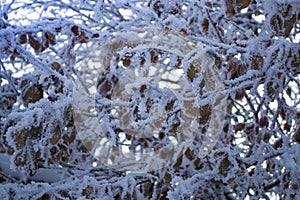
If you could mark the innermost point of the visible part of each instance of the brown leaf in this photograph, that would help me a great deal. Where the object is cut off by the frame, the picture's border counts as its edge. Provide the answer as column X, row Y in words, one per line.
column 264, row 122
column 267, row 136
column 192, row 20
column 239, row 95
column 251, row 172
column 154, row 56
column 189, row 154
column 205, row 114
column 178, row 162
column 278, row 143
column 191, row 73
column 282, row 113
column 184, row 32
column 148, row 189
column 34, row 43
column 287, row 127
column 239, row 127
column 161, row 135
column 57, row 67
column 257, row 62
column 224, row 166
column 20, row 159
column 241, row 4
column 23, row 38
column 75, row 29
column 95, row 35
column 128, row 136
column 197, row 163
column 126, row 62
column 289, row 91
column 277, row 23
column 20, row 138
column 50, row 37
column 82, row 38
column 236, row 68
column 229, row 8
column 272, row 90
column 289, row 24
column 283, row 22
column 56, row 135
column 205, row 25
column 178, row 63
column 45, row 196
column 235, row 6
column 88, row 191
column 105, row 85
column 32, row 94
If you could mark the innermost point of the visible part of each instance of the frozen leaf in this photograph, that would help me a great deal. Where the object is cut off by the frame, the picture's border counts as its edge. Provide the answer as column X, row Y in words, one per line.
column 283, row 21
column 205, row 25
column 126, row 62
column 224, row 166
column 57, row 67
column 235, row 6
column 264, row 122
column 23, row 39
column 32, row 94
column 50, row 37
column 34, row 43
column 75, row 30
column 239, row 127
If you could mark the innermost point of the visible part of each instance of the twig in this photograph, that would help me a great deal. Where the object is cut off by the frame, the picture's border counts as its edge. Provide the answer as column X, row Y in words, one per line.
column 271, row 185
column 11, row 179
column 8, row 77
column 214, row 25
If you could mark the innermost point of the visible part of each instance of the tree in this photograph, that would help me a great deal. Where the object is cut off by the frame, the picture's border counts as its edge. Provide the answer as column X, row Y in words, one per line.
column 217, row 82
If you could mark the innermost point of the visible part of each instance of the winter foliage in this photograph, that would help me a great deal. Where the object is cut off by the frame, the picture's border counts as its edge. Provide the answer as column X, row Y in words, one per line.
column 201, row 96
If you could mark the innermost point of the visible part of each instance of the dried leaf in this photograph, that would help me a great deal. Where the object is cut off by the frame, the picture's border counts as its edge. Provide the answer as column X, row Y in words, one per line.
column 191, row 73
column 184, row 32
column 88, row 191
column 205, row 25
column 57, row 67
column 283, row 22
column 82, row 38
column 126, row 62
column 239, row 95
column 154, row 56
column 229, row 8
column 257, row 62
column 241, row 4
column 95, row 35
column 20, row 138
column 34, row 43
column 236, row 68
column 278, row 143
column 50, row 37
column 23, row 38
column 287, row 127
column 239, row 127
column 251, row 172
column 264, row 122
column 224, row 166
column 235, row 6
column 32, row 94
column 75, row 30
column 189, row 154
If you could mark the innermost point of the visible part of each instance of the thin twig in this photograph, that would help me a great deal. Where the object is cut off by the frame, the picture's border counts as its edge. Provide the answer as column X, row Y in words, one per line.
column 214, row 25
column 8, row 77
